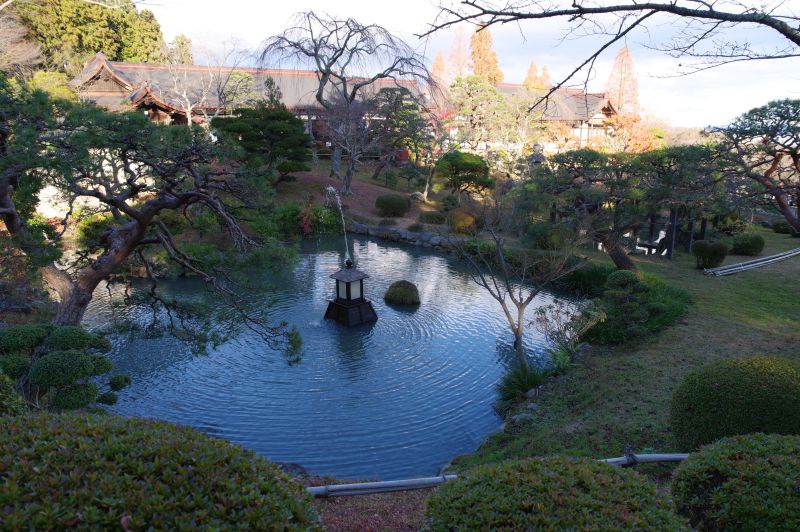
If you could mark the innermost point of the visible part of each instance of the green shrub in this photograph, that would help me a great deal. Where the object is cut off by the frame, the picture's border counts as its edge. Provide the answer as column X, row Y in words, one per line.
column 635, row 310
column 90, row 229
column 387, row 222
column 21, row 338
column 515, row 384
column 73, row 337
column 11, row 404
column 784, row 228
column 61, row 368
column 449, row 203
column 287, row 219
column 416, row 228
column 741, row 483
column 435, row 218
column 461, row 221
column 144, row 474
column 555, row 493
column 622, row 280
column 588, row 280
column 15, row 366
column 107, row 398
column 547, row 235
column 392, row 205
column 736, row 396
column 749, row 244
column 118, row 382
column 402, row 293
column 709, row 253
column 73, row 397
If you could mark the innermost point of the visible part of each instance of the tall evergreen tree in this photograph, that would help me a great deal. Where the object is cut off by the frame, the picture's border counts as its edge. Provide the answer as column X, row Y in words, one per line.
column 180, row 50
column 439, row 69
column 484, row 58
column 535, row 79
column 622, row 87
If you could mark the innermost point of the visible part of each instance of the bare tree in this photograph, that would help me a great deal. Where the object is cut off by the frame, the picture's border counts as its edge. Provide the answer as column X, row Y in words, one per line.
column 707, row 33
column 513, row 275
column 349, row 59
column 352, row 132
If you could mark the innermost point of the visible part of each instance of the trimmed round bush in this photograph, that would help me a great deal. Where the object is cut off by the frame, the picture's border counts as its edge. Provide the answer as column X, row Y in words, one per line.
column 622, row 280
column 73, row 397
column 61, row 368
column 21, row 338
column 139, row 474
column 392, row 205
column 556, row 493
column 736, row 396
column 741, row 483
column 11, row 404
column 74, row 337
column 463, row 222
column 402, row 293
column 15, row 366
column 749, row 244
column 709, row 253
column 416, row 228
column 435, row 218
column 784, row 228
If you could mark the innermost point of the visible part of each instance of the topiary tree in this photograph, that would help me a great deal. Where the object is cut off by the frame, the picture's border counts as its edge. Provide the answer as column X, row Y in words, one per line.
column 392, row 205
column 465, row 172
column 709, row 253
column 741, row 483
column 139, row 474
column 54, row 365
column 555, row 493
column 736, row 396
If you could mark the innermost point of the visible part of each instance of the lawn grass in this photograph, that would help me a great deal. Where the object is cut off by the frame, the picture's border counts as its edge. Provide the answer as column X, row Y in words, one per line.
column 622, row 400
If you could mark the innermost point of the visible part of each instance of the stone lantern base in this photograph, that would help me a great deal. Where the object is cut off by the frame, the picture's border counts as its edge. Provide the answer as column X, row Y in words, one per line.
column 351, row 313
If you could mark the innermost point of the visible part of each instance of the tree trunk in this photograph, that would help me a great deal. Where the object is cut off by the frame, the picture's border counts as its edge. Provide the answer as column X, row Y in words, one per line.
column 72, row 309
column 348, row 177
column 619, row 256
column 428, row 183
column 336, row 163
column 522, row 358
column 8, row 211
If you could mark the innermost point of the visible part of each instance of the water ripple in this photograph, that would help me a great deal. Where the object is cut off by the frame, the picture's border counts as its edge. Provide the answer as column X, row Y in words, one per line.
column 394, row 399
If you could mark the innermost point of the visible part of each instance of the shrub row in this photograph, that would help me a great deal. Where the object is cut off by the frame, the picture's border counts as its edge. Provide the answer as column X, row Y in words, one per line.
column 392, row 205
column 749, row 244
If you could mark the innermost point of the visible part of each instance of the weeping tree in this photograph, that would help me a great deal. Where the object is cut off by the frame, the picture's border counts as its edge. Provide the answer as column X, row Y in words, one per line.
column 350, row 60
column 138, row 176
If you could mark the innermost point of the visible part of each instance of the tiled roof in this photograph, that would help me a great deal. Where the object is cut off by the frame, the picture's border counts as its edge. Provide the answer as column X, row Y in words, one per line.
column 565, row 104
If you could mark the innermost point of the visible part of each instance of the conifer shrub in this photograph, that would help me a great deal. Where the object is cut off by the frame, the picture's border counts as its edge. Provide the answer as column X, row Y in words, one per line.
column 588, row 280
column 635, row 307
column 554, row 493
column 416, row 228
column 15, row 366
column 74, row 337
column 11, row 404
column 435, row 218
column 402, row 293
column 139, row 474
column 748, row 482
column 736, row 396
column 392, row 205
column 547, row 235
column 22, row 338
column 709, row 253
column 749, row 244
column 461, row 221
column 783, row 228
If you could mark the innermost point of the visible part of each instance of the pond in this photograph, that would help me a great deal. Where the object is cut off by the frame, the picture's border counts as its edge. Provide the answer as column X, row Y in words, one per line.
column 395, row 399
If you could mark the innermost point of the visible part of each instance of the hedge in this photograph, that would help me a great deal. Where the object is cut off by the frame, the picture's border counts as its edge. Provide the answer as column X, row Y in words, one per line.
column 709, row 253
column 434, row 218
column 749, row 244
column 106, row 472
column 392, row 205
column 736, row 396
column 556, row 493
column 741, row 483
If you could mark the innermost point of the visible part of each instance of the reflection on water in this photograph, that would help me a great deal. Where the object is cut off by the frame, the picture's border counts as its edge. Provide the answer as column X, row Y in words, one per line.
column 393, row 399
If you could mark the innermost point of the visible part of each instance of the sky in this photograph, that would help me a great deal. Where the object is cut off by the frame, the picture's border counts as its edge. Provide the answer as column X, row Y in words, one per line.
column 709, row 98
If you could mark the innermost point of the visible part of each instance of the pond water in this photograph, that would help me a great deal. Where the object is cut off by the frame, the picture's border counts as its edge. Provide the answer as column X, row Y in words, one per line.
column 395, row 399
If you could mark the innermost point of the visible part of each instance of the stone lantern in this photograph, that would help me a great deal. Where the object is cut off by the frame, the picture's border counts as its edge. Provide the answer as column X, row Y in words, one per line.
column 350, row 307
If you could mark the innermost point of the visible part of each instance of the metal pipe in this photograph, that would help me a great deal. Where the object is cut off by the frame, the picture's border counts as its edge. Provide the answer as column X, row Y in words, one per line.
column 387, row 486
column 751, row 264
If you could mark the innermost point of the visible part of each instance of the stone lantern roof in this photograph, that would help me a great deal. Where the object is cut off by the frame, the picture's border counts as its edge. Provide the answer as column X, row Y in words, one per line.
column 348, row 274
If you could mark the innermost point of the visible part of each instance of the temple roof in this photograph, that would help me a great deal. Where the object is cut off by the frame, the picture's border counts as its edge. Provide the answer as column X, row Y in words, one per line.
column 565, row 104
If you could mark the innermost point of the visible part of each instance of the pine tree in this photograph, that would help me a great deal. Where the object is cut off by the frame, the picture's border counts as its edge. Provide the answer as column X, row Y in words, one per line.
column 484, row 58
column 180, row 50
column 622, row 87
column 439, row 70
column 458, row 59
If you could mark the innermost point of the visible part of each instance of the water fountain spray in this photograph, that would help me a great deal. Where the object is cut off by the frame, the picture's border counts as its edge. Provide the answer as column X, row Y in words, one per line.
column 332, row 198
